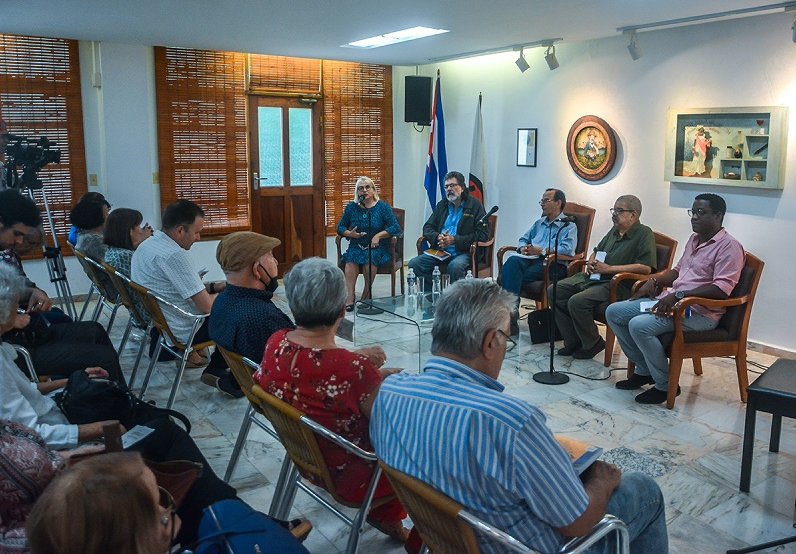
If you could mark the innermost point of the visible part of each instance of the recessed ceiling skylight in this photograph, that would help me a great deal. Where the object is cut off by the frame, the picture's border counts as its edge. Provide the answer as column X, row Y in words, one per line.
column 395, row 37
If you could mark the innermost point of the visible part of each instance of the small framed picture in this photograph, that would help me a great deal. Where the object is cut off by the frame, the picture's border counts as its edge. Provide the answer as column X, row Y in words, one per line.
column 526, row 147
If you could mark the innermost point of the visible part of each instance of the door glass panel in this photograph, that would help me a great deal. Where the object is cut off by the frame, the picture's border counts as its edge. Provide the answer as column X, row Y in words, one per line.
column 269, row 127
column 300, row 146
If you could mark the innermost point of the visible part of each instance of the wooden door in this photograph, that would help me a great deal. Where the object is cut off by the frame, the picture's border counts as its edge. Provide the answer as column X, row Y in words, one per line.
column 287, row 189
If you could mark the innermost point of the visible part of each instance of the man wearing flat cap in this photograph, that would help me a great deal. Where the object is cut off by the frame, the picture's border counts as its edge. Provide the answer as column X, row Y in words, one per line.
column 243, row 316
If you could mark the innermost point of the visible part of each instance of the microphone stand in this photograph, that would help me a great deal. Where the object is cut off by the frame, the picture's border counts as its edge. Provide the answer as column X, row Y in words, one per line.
column 552, row 377
column 369, row 309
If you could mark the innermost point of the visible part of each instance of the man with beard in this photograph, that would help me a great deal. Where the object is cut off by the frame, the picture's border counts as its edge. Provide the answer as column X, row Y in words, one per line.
column 628, row 247
column 243, row 317
column 451, row 228
column 710, row 268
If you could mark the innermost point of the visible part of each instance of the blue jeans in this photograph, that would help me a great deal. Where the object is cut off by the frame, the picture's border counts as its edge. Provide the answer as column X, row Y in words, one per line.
column 456, row 267
column 638, row 501
column 638, row 333
column 519, row 271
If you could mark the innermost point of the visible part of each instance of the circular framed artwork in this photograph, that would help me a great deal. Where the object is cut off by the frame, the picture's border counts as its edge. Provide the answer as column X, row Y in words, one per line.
column 591, row 147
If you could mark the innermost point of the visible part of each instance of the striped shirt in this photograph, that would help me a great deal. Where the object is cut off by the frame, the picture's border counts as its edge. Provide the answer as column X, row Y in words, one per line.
column 453, row 427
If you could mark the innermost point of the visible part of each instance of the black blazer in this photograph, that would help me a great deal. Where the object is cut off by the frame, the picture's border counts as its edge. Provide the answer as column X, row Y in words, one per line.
column 466, row 233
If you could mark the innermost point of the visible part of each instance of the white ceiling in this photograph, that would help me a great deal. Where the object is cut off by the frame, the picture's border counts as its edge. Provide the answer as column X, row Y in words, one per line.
column 317, row 28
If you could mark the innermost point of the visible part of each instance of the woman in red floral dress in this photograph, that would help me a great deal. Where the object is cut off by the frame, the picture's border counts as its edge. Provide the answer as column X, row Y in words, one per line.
column 332, row 385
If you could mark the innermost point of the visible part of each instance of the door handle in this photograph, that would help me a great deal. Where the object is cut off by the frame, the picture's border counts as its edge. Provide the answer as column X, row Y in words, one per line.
column 256, row 181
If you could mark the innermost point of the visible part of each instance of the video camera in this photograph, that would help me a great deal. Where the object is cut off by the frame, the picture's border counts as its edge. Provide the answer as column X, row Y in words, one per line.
column 31, row 155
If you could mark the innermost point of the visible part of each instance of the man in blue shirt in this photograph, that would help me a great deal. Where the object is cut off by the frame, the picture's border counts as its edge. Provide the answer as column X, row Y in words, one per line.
column 452, row 227
column 539, row 241
column 453, row 428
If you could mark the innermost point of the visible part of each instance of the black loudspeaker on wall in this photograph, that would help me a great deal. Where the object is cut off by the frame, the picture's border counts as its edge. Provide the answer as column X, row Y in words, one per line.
column 417, row 107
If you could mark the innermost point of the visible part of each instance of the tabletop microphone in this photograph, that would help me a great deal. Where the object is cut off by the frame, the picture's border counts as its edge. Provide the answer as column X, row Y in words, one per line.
column 566, row 219
column 487, row 215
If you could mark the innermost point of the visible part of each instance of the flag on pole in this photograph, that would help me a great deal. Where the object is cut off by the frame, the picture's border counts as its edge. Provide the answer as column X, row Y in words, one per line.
column 437, row 164
column 478, row 158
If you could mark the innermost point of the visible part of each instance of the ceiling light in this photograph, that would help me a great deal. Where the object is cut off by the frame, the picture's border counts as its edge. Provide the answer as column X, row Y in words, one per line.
column 550, row 57
column 522, row 63
column 395, row 37
column 635, row 51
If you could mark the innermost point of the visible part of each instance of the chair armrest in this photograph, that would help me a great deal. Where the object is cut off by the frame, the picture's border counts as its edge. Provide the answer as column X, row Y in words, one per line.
column 608, row 524
column 501, row 253
column 22, row 351
column 619, row 278
column 338, row 440
column 576, row 266
column 338, row 241
column 177, row 308
column 680, row 307
column 420, row 245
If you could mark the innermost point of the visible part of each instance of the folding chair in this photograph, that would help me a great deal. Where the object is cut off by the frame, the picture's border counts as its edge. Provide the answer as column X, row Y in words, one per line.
column 297, row 433
column 153, row 306
column 22, row 351
column 447, row 528
column 109, row 298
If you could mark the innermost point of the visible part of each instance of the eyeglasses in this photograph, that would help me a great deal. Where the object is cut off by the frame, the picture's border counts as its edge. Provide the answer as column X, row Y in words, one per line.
column 168, row 508
column 451, row 185
column 699, row 212
column 365, row 187
column 620, row 211
column 544, row 201
column 510, row 342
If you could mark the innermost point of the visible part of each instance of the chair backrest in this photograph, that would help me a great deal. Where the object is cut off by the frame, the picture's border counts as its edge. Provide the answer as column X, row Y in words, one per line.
column 584, row 220
column 99, row 276
column 151, row 306
column 736, row 319
column 665, row 248
column 400, row 217
column 119, row 283
column 485, row 253
column 299, row 441
column 243, row 370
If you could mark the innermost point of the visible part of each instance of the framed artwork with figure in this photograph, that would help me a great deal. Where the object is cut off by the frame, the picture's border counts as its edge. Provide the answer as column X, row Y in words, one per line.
column 526, row 147
column 591, row 148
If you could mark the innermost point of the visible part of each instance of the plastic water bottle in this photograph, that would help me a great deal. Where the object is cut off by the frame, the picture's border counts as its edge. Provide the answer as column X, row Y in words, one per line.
column 469, row 274
column 436, row 285
column 411, row 293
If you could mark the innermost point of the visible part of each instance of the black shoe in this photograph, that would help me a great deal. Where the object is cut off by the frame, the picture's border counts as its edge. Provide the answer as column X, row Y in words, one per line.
column 349, row 308
column 568, row 350
column 222, row 380
column 635, row 382
column 653, row 396
column 588, row 354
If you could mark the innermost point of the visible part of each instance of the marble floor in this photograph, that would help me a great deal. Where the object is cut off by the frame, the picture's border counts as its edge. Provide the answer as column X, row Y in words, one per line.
column 692, row 451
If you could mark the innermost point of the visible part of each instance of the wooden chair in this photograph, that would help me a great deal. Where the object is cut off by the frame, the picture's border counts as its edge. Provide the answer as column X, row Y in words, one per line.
column 537, row 290
column 153, row 306
column 481, row 263
column 396, row 249
column 138, row 318
column 446, row 528
column 665, row 248
column 298, row 434
column 100, row 284
column 727, row 339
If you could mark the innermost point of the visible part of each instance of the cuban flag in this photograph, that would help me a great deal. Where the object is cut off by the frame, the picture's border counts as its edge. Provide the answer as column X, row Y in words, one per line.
column 437, row 164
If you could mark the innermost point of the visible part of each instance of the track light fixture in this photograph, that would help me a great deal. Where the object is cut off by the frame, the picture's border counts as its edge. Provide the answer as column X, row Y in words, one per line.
column 522, row 63
column 635, row 51
column 550, row 57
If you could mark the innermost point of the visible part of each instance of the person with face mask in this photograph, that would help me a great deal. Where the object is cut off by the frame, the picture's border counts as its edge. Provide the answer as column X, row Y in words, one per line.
column 244, row 317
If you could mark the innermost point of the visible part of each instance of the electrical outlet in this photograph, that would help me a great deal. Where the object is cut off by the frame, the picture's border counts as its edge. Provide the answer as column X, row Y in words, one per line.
column 155, row 178
column 92, row 180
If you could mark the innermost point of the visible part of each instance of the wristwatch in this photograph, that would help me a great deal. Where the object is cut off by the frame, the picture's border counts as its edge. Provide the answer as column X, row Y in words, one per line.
column 679, row 295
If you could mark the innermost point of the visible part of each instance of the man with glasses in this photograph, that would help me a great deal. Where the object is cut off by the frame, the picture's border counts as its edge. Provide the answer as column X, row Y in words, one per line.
column 453, row 427
column 710, row 268
column 628, row 247
column 451, row 228
column 537, row 242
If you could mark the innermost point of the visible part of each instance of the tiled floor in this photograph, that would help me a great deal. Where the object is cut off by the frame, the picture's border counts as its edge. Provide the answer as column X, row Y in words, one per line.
column 693, row 451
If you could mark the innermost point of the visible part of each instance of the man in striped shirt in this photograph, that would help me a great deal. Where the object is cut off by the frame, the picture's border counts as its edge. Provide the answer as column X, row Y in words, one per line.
column 453, row 428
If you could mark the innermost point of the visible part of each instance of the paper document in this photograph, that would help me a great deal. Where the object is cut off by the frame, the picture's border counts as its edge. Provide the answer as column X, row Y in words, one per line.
column 600, row 257
column 440, row 255
column 647, row 305
column 582, row 454
column 136, row 434
column 525, row 256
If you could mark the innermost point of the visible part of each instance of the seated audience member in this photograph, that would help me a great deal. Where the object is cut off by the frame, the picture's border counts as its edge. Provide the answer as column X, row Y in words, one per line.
column 26, row 404
column 368, row 223
column 629, row 247
column 451, row 228
column 88, row 197
column 493, row 453
column 538, row 241
column 333, row 386
column 243, row 317
column 89, row 217
column 163, row 265
column 710, row 268
column 122, row 235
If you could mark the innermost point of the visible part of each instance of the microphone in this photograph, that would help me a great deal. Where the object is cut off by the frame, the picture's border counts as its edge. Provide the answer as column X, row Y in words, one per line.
column 566, row 219
column 361, row 199
column 487, row 215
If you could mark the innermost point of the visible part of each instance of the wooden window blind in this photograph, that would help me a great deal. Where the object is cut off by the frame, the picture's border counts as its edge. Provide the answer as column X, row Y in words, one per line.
column 202, row 140
column 40, row 97
column 201, row 120
column 357, row 135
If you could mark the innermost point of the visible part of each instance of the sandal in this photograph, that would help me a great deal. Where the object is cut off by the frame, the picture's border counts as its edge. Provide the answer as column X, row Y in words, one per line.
column 300, row 528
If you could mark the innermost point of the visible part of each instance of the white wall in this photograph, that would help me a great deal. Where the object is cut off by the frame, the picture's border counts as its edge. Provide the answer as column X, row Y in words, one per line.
column 746, row 62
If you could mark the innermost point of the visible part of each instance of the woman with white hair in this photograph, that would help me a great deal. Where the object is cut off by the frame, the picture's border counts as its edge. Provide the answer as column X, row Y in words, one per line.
column 333, row 386
column 367, row 221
